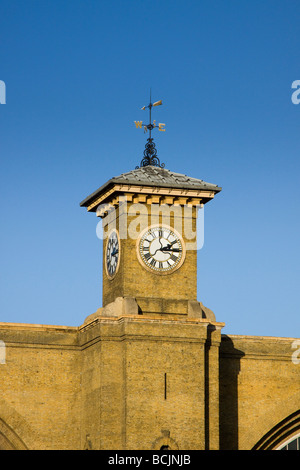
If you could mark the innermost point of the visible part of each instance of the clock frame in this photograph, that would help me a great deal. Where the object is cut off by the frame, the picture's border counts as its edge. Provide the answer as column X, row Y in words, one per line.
column 160, row 249
column 112, row 260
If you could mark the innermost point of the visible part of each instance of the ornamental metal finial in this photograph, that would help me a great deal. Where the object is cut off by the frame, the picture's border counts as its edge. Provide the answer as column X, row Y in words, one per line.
column 150, row 152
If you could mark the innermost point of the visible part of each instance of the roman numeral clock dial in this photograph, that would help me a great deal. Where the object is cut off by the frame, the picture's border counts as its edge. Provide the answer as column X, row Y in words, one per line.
column 112, row 254
column 161, row 250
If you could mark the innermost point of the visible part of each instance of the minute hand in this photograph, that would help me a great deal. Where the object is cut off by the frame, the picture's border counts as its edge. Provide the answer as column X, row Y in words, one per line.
column 168, row 248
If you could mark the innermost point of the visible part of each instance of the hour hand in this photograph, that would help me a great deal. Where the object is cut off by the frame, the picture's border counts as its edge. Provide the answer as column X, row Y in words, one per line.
column 169, row 248
column 169, row 245
column 114, row 252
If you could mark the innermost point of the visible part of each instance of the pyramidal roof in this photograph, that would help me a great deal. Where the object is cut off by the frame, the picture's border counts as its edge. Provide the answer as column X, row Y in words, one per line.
column 154, row 176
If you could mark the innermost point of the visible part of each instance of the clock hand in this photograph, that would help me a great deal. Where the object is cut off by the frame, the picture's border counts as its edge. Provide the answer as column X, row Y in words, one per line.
column 167, row 248
column 176, row 250
column 114, row 252
column 169, row 245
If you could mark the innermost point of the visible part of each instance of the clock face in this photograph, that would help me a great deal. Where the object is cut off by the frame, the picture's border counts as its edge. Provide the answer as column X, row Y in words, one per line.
column 161, row 249
column 112, row 254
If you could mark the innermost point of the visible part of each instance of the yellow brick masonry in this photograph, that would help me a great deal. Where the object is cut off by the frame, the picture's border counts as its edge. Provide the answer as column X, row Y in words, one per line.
column 134, row 381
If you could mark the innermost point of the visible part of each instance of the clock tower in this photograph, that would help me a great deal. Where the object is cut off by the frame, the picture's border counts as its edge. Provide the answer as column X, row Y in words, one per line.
column 149, row 217
column 154, row 345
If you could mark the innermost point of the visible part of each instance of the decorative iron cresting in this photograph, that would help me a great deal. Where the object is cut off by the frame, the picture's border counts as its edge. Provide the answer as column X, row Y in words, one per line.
column 150, row 155
column 150, row 152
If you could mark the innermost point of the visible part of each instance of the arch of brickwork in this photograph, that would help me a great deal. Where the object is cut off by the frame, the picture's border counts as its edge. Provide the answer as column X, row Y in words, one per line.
column 9, row 440
column 287, row 428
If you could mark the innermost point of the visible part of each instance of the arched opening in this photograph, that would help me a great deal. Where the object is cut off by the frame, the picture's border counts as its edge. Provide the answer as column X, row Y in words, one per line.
column 291, row 444
column 285, row 435
column 9, row 440
column 5, row 444
column 165, row 442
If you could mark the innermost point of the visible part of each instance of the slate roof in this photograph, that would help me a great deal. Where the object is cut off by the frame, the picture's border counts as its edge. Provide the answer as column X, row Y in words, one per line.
column 154, row 176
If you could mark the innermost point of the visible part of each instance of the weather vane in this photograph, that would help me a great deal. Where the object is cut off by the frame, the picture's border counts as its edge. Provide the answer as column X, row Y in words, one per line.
column 150, row 152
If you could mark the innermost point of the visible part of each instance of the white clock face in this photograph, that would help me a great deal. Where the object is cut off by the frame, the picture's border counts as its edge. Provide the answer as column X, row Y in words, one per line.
column 112, row 254
column 161, row 249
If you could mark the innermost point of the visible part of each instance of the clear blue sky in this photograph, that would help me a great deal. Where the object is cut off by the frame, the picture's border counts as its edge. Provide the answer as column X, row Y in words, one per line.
column 77, row 73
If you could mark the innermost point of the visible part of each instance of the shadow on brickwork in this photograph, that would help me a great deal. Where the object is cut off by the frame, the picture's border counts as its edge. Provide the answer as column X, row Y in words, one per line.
column 229, row 370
